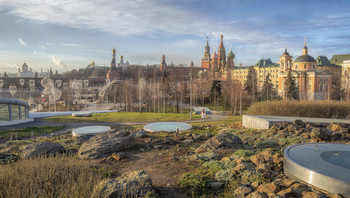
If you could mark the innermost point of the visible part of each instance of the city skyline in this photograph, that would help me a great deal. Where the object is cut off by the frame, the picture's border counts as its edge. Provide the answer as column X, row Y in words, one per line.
column 48, row 34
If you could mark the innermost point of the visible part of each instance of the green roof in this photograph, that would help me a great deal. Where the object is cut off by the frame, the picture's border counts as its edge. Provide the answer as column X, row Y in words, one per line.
column 230, row 54
column 323, row 61
column 340, row 58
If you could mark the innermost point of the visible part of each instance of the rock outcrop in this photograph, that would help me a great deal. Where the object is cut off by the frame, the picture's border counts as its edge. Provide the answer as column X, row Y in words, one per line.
column 8, row 158
column 41, row 148
column 130, row 184
column 104, row 144
column 223, row 140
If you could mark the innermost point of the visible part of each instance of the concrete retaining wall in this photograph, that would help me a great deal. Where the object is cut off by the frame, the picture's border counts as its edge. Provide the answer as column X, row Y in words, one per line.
column 265, row 122
column 251, row 121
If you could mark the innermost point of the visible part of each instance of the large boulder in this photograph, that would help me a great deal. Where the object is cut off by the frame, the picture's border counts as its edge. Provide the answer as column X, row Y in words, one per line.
column 138, row 134
column 223, row 140
column 104, row 144
column 318, row 134
column 130, row 184
column 7, row 158
column 41, row 148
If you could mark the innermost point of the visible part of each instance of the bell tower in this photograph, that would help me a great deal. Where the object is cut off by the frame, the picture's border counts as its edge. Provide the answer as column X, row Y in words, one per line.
column 113, row 74
column 206, row 58
column 285, row 61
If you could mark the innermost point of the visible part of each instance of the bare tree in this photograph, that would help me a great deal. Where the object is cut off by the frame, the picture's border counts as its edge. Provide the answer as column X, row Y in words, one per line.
column 141, row 91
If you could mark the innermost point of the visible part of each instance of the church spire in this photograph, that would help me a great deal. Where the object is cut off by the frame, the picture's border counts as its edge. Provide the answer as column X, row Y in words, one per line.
column 221, row 54
column 207, row 50
column 305, row 48
column 113, row 62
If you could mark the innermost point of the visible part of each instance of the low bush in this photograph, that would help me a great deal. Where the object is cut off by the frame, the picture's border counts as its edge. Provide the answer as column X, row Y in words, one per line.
column 224, row 176
column 208, row 156
column 218, row 165
column 250, row 176
column 59, row 176
column 194, row 184
column 315, row 109
column 242, row 153
column 268, row 143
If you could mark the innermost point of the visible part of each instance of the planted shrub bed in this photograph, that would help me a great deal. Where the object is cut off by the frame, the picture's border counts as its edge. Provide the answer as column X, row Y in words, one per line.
column 316, row 109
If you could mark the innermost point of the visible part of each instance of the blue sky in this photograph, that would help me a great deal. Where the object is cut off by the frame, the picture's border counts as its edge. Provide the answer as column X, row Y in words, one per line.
column 50, row 33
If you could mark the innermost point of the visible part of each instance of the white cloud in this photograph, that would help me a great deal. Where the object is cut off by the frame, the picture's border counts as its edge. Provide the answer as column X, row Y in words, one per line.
column 138, row 17
column 117, row 17
column 21, row 42
column 58, row 62
column 10, row 65
column 71, row 45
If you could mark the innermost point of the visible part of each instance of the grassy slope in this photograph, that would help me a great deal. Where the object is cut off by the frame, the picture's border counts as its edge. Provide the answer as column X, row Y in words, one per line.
column 125, row 117
column 26, row 132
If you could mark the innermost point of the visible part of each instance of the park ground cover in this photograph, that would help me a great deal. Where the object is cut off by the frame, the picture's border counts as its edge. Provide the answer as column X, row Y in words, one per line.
column 125, row 117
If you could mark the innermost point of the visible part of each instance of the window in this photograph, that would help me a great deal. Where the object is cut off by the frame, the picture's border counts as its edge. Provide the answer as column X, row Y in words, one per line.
column 15, row 112
column 313, row 66
column 305, row 66
column 23, row 112
column 296, row 66
column 4, row 112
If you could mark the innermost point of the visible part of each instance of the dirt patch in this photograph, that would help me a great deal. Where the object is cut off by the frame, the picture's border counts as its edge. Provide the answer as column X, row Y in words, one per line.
column 163, row 170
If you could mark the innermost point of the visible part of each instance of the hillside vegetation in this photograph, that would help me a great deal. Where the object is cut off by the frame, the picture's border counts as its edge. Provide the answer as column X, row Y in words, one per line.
column 316, row 109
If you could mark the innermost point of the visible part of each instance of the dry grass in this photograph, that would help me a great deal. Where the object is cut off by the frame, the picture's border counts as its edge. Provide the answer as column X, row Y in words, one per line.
column 60, row 176
column 316, row 109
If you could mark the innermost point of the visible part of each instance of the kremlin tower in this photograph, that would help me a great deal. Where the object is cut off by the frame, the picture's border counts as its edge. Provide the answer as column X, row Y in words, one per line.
column 163, row 64
column 206, row 58
column 218, row 62
column 113, row 74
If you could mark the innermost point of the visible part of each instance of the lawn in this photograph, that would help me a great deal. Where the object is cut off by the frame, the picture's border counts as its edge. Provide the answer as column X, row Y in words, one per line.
column 27, row 132
column 230, row 120
column 230, row 123
column 125, row 117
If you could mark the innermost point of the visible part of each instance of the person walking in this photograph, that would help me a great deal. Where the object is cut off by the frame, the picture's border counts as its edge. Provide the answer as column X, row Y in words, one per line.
column 203, row 113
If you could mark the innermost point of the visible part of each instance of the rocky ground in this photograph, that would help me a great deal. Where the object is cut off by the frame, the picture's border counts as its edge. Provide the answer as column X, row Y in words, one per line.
column 212, row 161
